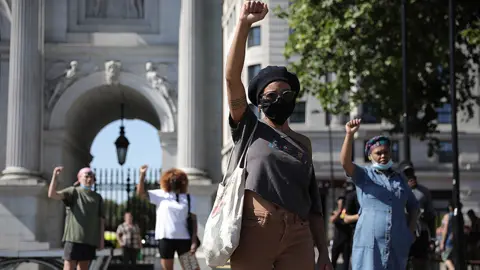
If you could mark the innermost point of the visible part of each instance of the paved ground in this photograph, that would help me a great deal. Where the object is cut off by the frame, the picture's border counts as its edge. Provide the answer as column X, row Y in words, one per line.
column 201, row 261
column 203, row 265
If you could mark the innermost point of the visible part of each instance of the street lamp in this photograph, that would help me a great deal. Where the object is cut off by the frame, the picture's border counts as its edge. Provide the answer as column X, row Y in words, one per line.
column 122, row 142
column 406, row 136
column 328, row 119
column 458, row 216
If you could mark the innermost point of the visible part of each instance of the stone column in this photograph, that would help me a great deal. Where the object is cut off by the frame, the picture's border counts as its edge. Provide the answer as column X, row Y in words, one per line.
column 168, row 142
column 24, row 123
column 191, row 138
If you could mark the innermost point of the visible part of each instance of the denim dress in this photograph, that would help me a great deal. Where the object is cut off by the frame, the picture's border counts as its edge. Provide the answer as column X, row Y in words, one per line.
column 382, row 237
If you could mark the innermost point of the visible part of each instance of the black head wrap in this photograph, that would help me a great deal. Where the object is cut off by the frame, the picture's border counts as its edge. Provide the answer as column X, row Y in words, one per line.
column 268, row 75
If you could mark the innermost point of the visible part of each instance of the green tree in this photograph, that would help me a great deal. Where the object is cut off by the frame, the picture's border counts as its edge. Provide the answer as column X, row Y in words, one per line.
column 144, row 213
column 113, row 214
column 360, row 41
column 472, row 33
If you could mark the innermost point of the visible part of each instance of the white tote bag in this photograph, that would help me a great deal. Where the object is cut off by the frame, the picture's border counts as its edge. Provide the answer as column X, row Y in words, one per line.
column 222, row 230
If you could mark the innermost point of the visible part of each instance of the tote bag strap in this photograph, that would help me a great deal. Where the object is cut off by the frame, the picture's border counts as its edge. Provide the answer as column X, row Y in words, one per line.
column 243, row 159
column 247, row 145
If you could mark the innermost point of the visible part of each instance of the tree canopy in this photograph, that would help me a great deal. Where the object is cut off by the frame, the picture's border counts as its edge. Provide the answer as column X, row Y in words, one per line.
column 472, row 33
column 360, row 42
column 142, row 211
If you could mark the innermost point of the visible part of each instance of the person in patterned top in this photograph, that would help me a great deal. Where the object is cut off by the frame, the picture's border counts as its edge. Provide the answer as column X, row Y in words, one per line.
column 129, row 238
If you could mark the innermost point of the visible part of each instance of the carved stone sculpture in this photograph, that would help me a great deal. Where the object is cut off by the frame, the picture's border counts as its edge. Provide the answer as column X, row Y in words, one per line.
column 5, row 19
column 112, row 72
column 57, row 85
column 160, row 84
column 139, row 8
column 5, row 9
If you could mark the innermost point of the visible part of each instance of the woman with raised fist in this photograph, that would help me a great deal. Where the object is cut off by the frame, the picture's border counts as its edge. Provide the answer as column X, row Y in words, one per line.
column 383, row 234
column 282, row 214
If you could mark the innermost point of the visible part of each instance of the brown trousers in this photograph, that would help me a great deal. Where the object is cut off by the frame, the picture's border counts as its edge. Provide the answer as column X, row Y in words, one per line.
column 272, row 238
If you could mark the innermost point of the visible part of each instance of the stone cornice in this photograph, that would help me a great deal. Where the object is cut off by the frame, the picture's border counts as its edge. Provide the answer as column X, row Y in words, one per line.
column 56, row 50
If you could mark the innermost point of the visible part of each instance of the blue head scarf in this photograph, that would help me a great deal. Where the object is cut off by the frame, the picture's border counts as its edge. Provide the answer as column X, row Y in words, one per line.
column 375, row 142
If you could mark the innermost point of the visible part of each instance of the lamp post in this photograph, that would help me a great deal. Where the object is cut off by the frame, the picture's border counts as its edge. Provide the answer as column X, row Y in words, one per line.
column 328, row 121
column 330, row 149
column 458, row 223
column 406, row 135
column 122, row 142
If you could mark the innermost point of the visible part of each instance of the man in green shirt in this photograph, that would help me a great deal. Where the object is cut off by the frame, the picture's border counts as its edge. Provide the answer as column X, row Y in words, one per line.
column 84, row 223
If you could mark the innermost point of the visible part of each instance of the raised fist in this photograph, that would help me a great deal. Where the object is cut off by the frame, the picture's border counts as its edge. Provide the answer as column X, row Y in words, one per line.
column 253, row 11
column 143, row 169
column 352, row 126
column 57, row 171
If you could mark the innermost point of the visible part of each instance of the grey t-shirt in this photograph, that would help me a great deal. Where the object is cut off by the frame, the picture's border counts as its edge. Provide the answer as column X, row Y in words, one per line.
column 278, row 167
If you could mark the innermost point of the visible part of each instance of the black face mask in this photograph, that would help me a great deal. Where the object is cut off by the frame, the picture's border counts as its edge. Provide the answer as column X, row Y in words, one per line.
column 279, row 111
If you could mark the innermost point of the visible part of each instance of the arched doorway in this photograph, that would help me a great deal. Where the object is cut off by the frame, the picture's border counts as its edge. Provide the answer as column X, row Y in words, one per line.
column 84, row 108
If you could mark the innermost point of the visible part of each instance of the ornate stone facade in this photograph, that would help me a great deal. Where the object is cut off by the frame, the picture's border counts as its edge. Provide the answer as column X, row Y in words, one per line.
column 96, row 54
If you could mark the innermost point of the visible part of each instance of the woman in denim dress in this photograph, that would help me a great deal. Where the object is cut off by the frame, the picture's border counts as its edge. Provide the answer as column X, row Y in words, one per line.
column 384, row 232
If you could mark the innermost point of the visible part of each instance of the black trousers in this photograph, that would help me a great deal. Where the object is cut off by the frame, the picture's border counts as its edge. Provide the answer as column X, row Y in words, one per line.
column 420, row 249
column 130, row 255
column 343, row 248
column 79, row 252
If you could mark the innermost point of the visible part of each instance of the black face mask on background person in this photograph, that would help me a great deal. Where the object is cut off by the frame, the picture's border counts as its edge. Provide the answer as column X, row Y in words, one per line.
column 279, row 111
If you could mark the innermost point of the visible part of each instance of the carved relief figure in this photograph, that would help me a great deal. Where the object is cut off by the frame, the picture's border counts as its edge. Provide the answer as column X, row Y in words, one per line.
column 5, row 19
column 112, row 72
column 139, row 8
column 5, row 9
column 57, row 85
column 96, row 8
column 115, row 9
column 160, row 84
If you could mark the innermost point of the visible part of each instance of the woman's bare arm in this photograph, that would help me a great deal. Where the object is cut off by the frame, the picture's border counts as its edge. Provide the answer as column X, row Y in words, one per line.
column 252, row 11
column 237, row 99
column 346, row 153
column 141, row 183
column 351, row 218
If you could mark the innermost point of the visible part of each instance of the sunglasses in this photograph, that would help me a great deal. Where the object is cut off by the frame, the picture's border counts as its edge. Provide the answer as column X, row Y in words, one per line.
column 274, row 96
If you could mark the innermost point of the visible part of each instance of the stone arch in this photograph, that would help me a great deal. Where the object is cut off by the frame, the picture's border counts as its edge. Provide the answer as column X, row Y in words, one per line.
column 60, row 111
column 88, row 105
